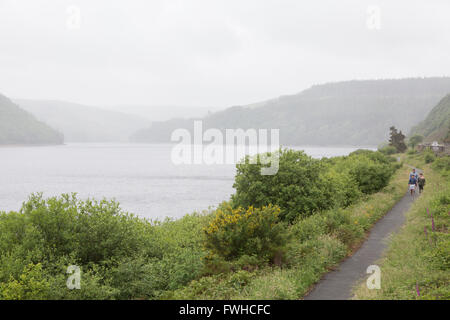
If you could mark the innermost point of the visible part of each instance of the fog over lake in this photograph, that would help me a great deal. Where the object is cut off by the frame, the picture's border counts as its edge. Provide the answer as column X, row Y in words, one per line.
column 141, row 177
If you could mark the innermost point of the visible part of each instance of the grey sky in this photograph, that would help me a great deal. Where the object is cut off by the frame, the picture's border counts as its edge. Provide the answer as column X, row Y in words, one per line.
column 211, row 53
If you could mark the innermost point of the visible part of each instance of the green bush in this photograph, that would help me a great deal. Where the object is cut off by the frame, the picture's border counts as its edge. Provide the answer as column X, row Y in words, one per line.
column 214, row 287
column 339, row 188
column 253, row 231
column 371, row 177
column 388, row 150
column 95, row 231
column 304, row 185
column 442, row 163
column 120, row 255
column 320, row 251
column 30, row 285
column 296, row 188
column 371, row 170
column 309, row 228
column 95, row 282
column 429, row 157
column 333, row 222
column 144, row 278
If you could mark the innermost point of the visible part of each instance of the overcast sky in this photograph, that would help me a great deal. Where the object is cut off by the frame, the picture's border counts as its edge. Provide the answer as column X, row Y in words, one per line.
column 212, row 53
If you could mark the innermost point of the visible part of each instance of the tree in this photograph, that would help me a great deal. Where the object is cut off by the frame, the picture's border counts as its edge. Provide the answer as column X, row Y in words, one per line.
column 415, row 140
column 397, row 139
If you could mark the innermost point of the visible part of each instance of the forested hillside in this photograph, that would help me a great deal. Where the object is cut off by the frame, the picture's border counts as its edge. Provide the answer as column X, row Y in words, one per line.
column 81, row 123
column 17, row 126
column 436, row 126
column 342, row 113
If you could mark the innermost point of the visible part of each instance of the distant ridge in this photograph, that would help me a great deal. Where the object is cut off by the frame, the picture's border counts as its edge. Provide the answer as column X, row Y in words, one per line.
column 436, row 126
column 18, row 126
column 81, row 123
column 357, row 112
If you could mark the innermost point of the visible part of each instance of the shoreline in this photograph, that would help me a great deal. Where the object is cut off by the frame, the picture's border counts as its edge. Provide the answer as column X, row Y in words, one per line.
column 31, row 145
column 172, row 143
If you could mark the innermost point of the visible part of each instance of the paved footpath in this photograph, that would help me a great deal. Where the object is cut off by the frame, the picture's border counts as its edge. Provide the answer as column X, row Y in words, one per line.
column 338, row 284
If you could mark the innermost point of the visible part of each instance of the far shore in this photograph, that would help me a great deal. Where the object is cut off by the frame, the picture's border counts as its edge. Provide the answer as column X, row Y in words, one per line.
column 31, row 145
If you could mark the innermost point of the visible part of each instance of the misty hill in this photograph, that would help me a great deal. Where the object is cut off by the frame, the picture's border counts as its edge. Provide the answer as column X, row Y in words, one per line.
column 436, row 126
column 81, row 123
column 163, row 113
column 341, row 113
column 18, row 126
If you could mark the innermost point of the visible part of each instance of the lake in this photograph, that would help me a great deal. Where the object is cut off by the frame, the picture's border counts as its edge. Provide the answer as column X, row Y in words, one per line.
column 141, row 177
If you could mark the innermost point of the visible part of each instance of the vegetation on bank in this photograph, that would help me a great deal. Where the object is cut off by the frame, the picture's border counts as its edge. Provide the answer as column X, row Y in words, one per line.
column 417, row 263
column 268, row 246
column 121, row 256
column 315, row 244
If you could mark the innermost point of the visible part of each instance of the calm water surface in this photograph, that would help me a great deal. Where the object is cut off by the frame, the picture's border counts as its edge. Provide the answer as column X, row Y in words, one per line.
column 141, row 177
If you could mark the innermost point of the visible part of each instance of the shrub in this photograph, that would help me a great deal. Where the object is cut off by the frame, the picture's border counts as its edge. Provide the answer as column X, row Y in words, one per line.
column 309, row 228
column 348, row 233
column 95, row 283
column 388, row 150
column 95, row 230
column 333, row 222
column 339, row 189
column 254, row 231
column 31, row 285
column 429, row 157
column 371, row 170
column 442, row 163
column 323, row 250
column 144, row 278
column 372, row 155
column 296, row 188
column 214, row 287
column 371, row 177
column 120, row 255
column 304, row 186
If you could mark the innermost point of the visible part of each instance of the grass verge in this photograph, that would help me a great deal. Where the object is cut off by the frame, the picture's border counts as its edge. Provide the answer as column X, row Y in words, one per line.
column 417, row 262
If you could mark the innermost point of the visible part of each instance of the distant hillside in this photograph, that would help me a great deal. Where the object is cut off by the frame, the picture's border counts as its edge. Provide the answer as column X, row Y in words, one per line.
column 163, row 113
column 436, row 126
column 81, row 123
column 342, row 113
column 18, row 126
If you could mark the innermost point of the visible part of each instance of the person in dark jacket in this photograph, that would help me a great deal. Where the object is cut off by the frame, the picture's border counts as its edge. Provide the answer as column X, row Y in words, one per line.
column 421, row 182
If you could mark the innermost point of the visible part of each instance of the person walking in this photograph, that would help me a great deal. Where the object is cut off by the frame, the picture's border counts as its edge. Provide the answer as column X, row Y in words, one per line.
column 412, row 184
column 421, row 182
column 414, row 173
